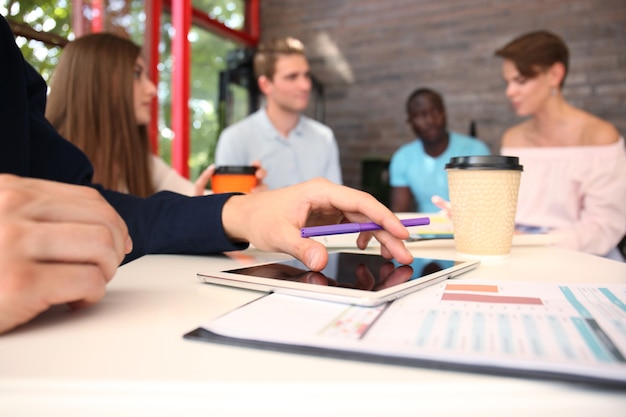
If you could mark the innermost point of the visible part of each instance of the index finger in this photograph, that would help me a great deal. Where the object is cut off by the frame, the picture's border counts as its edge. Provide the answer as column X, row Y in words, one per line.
column 359, row 206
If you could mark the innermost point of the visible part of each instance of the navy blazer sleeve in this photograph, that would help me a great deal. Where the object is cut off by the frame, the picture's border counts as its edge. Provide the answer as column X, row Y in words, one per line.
column 30, row 147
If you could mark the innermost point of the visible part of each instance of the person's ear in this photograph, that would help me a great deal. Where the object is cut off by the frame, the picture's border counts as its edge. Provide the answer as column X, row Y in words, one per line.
column 556, row 73
column 264, row 84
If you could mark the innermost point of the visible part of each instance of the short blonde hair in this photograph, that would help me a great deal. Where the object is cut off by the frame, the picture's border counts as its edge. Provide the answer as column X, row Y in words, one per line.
column 268, row 53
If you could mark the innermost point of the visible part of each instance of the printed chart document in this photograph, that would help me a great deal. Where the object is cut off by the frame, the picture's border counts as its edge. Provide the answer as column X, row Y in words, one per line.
column 573, row 332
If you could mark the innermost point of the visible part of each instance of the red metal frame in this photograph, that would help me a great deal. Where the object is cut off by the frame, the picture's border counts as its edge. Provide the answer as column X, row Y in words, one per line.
column 81, row 26
column 181, row 19
column 249, row 36
column 153, row 11
column 253, row 20
column 98, row 11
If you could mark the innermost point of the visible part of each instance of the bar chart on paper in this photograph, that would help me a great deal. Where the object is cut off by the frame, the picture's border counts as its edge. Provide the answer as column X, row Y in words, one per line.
column 512, row 320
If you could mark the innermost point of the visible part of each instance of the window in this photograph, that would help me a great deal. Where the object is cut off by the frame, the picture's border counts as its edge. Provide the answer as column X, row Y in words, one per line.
column 43, row 27
column 208, row 58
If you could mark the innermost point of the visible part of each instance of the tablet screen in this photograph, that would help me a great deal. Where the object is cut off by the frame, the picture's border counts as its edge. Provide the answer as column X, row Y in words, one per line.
column 361, row 271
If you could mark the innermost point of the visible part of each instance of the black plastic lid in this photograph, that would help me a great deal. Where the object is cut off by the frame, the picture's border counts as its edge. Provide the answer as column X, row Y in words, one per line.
column 495, row 162
column 235, row 169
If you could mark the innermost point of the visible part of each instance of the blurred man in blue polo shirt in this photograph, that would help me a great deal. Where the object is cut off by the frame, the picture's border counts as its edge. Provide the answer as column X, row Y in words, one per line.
column 290, row 146
column 417, row 169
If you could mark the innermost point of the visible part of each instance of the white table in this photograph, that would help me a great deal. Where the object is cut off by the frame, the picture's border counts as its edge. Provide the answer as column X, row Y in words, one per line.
column 126, row 356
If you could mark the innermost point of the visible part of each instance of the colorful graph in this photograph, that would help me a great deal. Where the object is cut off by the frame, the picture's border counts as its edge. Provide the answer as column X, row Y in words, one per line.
column 474, row 293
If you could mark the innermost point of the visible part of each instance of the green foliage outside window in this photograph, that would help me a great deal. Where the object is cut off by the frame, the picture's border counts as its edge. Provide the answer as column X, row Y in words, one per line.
column 44, row 16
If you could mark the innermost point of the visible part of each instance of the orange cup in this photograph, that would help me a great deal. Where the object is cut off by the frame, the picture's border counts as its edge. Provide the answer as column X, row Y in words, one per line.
column 234, row 179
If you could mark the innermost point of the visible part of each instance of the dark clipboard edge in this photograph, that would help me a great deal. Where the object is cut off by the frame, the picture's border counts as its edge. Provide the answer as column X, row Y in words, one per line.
column 590, row 382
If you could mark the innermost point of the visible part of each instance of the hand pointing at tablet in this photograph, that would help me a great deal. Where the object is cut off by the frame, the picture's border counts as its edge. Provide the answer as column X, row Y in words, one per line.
column 272, row 220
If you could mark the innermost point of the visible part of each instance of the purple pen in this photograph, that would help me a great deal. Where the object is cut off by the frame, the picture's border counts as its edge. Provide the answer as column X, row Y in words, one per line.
column 338, row 229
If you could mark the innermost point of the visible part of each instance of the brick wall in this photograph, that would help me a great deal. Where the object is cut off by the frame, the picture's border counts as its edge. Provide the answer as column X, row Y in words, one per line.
column 370, row 54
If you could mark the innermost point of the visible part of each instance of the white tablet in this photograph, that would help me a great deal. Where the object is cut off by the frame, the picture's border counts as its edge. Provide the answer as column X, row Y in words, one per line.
column 350, row 277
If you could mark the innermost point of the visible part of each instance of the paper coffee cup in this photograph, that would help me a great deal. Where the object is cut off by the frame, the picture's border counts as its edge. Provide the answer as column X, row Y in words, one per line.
column 234, row 179
column 483, row 194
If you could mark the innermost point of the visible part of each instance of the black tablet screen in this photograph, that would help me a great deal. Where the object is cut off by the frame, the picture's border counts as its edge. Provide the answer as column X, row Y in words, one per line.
column 352, row 270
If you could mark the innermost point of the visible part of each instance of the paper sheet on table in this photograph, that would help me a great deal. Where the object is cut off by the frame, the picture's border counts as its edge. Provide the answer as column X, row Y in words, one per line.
column 575, row 332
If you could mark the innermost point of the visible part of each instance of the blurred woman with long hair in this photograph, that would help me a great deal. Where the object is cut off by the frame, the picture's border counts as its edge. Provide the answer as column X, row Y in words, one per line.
column 100, row 99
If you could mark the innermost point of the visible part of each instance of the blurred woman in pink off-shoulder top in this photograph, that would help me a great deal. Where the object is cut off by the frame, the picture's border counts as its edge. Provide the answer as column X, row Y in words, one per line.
column 574, row 179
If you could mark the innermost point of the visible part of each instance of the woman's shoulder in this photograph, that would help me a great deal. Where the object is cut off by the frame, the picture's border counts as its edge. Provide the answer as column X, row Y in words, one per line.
column 515, row 136
column 583, row 129
column 596, row 131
